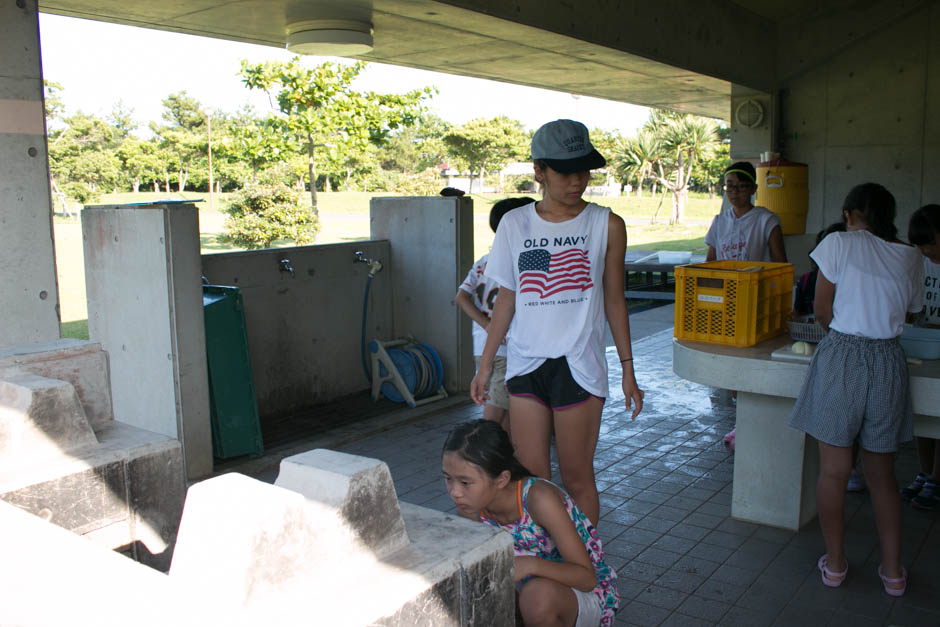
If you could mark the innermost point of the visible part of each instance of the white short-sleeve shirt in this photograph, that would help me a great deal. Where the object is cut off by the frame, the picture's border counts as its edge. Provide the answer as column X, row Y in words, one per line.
column 483, row 292
column 877, row 282
column 746, row 238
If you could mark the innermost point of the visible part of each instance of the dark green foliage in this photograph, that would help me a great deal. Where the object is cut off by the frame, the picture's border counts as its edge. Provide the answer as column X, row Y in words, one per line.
column 261, row 214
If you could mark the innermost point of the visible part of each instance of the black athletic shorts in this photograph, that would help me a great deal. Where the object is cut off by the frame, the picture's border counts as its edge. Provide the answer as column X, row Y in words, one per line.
column 551, row 384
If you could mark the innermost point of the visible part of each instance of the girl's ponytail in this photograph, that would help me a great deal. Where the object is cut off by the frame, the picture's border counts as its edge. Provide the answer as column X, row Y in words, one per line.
column 486, row 444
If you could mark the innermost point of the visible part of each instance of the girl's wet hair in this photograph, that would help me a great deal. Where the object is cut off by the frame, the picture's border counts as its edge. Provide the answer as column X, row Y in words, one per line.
column 924, row 225
column 744, row 170
column 877, row 206
column 486, row 444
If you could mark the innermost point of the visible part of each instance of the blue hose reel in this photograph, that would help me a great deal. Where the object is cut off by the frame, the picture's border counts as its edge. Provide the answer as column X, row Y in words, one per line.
column 406, row 372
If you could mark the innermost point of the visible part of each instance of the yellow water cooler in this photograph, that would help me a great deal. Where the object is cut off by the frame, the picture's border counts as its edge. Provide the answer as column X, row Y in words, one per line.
column 783, row 187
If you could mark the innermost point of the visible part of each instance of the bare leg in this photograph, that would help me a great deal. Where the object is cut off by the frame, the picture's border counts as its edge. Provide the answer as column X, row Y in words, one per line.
column 546, row 602
column 576, row 432
column 935, row 454
column 531, row 434
column 498, row 415
column 885, row 500
column 835, row 465
column 926, row 455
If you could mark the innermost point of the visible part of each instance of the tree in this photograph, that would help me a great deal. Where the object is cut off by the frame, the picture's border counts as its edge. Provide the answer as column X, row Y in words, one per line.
column 709, row 171
column 482, row 144
column 183, row 137
column 635, row 157
column 684, row 140
column 122, row 119
column 52, row 101
column 321, row 110
column 417, row 147
column 259, row 143
column 259, row 215
column 139, row 161
column 82, row 159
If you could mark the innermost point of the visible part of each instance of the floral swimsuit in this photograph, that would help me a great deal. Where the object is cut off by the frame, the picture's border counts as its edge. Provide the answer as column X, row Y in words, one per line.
column 531, row 539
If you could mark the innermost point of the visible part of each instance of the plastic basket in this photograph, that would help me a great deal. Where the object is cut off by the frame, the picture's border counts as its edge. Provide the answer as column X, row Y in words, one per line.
column 805, row 331
column 738, row 303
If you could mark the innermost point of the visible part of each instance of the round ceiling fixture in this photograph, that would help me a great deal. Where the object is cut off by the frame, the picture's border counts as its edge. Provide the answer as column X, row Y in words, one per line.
column 333, row 38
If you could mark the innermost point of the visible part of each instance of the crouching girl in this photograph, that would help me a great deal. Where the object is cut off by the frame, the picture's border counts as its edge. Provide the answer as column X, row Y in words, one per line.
column 560, row 572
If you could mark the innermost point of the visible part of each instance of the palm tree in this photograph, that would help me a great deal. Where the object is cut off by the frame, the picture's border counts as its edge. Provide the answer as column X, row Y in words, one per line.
column 684, row 140
column 636, row 156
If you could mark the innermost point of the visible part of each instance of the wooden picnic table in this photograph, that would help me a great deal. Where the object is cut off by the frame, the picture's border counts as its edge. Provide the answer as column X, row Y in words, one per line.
column 661, row 289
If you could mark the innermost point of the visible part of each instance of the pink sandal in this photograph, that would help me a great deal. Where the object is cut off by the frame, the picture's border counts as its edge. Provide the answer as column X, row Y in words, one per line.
column 894, row 581
column 831, row 578
column 729, row 439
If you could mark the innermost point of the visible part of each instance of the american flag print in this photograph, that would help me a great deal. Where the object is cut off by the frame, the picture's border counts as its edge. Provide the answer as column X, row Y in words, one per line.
column 547, row 274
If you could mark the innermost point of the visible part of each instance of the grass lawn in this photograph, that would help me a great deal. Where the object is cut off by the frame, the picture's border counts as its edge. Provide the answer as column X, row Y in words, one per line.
column 344, row 216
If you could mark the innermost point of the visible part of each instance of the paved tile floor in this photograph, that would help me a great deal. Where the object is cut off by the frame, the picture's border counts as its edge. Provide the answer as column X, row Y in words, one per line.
column 665, row 482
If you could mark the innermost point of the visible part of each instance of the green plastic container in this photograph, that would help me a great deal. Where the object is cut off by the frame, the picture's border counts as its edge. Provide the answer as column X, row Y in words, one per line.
column 236, row 429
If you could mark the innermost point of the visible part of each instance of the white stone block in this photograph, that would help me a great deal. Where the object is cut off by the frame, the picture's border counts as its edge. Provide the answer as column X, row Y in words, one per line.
column 82, row 363
column 273, row 556
column 360, row 488
column 40, row 418
column 50, row 576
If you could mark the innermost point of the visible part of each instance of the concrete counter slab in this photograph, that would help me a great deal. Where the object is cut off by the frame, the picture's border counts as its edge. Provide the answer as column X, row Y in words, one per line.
column 769, row 453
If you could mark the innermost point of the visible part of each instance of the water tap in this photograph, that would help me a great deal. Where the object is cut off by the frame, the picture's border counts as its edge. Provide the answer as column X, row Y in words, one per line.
column 375, row 266
column 284, row 266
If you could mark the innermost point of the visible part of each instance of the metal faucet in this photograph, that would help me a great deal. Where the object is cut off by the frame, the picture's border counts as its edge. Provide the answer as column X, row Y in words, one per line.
column 284, row 266
column 375, row 266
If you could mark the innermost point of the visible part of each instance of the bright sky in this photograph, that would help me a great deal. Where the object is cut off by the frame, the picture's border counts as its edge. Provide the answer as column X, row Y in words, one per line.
column 99, row 64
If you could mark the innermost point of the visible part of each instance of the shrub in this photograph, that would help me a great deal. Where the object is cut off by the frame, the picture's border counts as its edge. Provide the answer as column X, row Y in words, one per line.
column 261, row 214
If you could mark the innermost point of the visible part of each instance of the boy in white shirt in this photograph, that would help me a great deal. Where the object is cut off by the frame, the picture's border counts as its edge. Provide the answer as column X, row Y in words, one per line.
column 744, row 232
column 476, row 297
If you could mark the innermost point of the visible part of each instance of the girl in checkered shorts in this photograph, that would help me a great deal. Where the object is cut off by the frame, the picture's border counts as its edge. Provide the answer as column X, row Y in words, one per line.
column 857, row 387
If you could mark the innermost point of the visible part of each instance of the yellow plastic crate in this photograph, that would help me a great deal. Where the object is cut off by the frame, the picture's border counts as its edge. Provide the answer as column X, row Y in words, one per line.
column 737, row 303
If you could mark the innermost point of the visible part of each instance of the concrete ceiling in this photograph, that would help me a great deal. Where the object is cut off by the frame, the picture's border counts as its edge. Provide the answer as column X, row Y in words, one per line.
column 470, row 40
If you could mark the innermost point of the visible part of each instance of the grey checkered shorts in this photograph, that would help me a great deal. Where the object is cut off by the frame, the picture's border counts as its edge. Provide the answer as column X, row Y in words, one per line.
column 856, row 387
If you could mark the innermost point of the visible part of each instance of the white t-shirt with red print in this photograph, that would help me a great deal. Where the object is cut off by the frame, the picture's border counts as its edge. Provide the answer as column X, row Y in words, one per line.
column 556, row 270
column 746, row 238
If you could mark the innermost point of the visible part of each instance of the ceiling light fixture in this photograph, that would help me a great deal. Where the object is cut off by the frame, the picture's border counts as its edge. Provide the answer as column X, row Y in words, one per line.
column 330, row 37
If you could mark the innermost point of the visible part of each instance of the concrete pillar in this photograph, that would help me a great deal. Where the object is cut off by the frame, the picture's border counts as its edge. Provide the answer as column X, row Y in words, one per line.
column 431, row 240
column 142, row 279
column 29, row 300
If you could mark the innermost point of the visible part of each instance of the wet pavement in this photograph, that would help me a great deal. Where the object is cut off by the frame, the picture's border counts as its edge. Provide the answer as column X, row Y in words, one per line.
column 665, row 486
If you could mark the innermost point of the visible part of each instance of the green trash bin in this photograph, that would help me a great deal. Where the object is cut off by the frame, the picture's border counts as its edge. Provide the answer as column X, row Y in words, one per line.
column 236, row 429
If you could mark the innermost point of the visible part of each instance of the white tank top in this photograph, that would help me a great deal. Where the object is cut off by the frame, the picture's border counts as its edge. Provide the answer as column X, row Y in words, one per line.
column 556, row 270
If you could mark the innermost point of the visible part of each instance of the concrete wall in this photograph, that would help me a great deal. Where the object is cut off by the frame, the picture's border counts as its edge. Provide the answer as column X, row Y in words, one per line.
column 431, row 252
column 29, row 300
column 860, row 100
column 304, row 329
